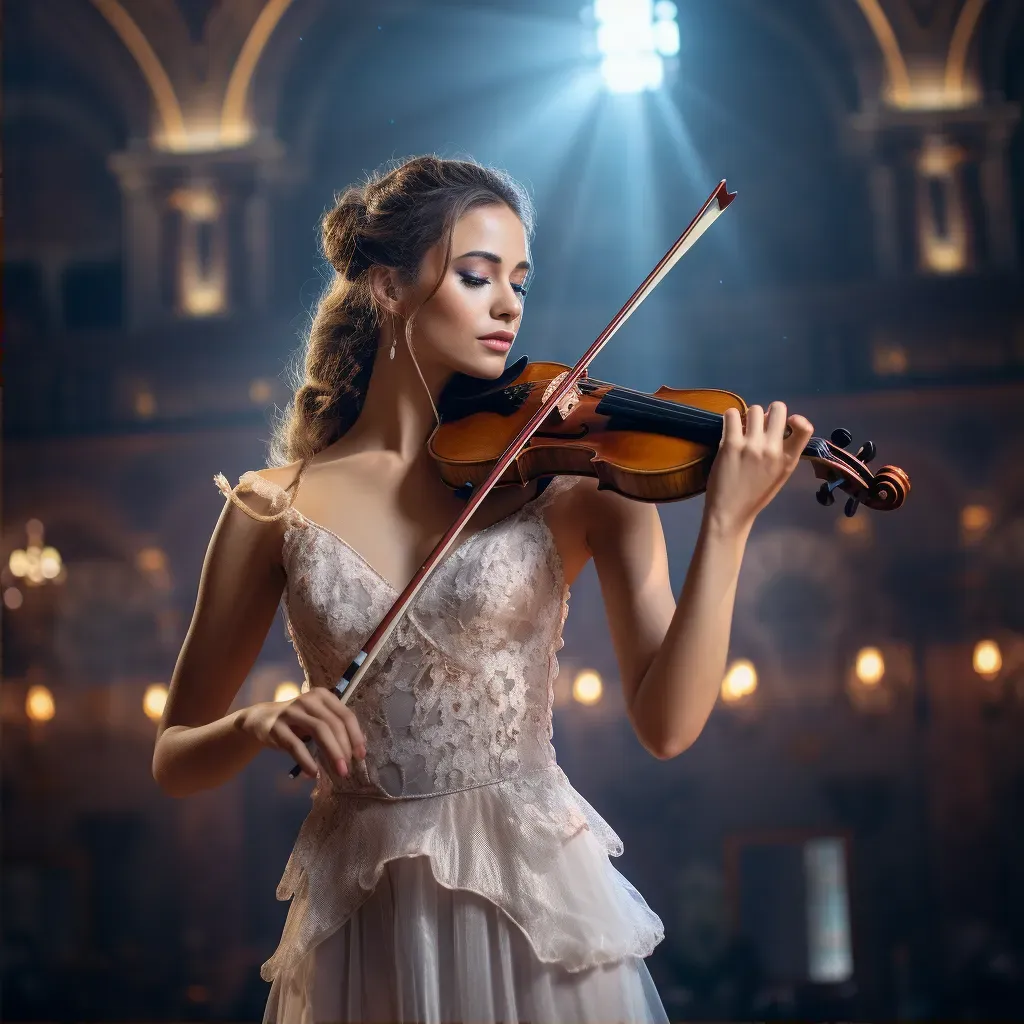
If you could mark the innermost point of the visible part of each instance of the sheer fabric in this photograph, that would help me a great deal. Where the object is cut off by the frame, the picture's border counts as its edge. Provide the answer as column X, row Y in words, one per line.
column 456, row 875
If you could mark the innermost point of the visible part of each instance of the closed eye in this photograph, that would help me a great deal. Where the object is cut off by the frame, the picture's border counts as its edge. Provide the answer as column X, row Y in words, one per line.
column 473, row 281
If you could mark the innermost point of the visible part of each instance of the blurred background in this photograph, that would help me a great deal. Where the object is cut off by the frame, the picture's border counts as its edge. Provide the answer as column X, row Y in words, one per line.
column 846, row 839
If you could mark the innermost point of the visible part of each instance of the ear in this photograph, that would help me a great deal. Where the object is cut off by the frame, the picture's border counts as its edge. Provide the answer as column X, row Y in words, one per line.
column 386, row 290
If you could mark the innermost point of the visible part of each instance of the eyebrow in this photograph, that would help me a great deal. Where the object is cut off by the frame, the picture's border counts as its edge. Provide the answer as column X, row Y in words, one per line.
column 493, row 258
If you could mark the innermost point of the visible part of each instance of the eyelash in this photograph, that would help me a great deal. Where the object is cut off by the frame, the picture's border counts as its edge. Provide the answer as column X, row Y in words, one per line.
column 475, row 282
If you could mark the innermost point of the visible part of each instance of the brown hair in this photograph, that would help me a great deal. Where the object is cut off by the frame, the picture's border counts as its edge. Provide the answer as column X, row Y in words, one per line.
column 392, row 220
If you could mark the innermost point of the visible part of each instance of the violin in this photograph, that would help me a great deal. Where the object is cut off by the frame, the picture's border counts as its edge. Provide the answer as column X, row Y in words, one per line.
column 655, row 448
column 543, row 418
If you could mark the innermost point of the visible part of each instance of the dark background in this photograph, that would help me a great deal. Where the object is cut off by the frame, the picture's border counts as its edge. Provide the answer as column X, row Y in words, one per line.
column 160, row 266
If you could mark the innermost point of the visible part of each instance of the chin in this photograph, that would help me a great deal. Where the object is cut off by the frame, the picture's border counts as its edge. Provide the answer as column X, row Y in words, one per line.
column 488, row 366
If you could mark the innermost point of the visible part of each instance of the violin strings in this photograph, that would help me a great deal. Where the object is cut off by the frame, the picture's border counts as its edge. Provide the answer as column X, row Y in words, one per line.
column 627, row 400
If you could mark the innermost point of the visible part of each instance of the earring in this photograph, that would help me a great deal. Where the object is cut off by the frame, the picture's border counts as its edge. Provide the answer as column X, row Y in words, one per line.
column 392, row 354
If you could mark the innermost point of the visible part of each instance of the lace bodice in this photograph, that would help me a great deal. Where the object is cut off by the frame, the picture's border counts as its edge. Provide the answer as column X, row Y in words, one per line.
column 459, row 765
column 462, row 694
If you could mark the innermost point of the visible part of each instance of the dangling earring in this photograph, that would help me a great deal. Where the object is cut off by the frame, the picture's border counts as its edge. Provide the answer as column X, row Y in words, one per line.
column 392, row 353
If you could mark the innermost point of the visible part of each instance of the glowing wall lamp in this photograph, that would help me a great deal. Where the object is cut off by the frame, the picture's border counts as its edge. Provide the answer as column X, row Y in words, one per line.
column 633, row 38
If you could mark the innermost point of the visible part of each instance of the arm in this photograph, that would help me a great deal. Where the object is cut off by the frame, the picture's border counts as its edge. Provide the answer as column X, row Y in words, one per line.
column 672, row 656
column 199, row 745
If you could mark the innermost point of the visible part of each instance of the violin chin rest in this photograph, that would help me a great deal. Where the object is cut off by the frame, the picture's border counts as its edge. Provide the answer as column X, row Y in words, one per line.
column 463, row 388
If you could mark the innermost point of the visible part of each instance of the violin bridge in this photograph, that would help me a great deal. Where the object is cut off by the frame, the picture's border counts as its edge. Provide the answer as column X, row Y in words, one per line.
column 568, row 401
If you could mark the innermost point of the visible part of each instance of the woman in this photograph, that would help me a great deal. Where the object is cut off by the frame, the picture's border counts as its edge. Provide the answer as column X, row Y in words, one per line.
column 448, row 871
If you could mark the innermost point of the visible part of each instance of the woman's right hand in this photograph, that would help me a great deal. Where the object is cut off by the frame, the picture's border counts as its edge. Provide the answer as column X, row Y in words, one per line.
column 317, row 713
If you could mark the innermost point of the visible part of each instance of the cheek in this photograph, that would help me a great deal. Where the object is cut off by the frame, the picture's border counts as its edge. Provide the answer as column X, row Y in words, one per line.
column 453, row 311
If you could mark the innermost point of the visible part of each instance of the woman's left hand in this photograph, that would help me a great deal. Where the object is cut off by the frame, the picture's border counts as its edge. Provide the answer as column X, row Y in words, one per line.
column 752, row 464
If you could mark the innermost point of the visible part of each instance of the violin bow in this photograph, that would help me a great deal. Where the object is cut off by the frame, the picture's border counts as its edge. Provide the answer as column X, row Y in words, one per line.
column 706, row 216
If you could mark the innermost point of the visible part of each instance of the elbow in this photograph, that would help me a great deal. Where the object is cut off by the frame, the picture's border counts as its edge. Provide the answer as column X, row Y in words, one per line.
column 668, row 751
column 165, row 778
column 665, row 748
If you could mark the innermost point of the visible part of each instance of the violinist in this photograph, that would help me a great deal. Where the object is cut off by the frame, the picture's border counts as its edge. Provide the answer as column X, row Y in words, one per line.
column 447, row 870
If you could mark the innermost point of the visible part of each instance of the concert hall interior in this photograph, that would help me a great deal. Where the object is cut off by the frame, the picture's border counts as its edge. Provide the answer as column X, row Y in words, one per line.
column 845, row 839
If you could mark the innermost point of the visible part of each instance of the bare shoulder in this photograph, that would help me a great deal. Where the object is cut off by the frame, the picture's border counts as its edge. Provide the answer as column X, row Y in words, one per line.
column 254, row 507
column 586, row 522
column 606, row 515
column 268, row 492
column 280, row 476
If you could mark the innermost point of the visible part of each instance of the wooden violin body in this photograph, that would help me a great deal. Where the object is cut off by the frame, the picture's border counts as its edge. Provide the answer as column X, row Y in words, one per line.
column 654, row 448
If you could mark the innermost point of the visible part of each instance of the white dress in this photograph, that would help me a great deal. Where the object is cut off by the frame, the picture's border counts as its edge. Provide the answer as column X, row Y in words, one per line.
column 456, row 875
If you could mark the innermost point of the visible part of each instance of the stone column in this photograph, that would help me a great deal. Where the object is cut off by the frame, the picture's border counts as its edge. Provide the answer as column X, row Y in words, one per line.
column 939, row 188
column 197, row 230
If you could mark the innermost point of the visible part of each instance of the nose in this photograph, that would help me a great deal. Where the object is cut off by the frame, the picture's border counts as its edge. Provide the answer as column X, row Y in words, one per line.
column 508, row 306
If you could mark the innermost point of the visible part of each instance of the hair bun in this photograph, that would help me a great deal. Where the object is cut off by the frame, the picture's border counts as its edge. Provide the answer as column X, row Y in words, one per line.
column 340, row 229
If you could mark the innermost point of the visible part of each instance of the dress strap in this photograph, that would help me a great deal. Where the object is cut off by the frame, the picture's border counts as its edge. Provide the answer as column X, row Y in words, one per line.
column 280, row 498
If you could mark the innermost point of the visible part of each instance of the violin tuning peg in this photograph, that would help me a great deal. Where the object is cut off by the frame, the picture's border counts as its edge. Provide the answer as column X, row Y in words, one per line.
column 841, row 437
column 852, row 505
column 825, row 496
column 867, row 451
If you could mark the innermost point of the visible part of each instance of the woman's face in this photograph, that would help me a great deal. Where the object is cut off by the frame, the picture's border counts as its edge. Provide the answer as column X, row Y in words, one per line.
column 468, row 326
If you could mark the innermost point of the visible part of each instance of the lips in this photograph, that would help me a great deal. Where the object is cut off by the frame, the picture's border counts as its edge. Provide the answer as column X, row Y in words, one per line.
column 498, row 341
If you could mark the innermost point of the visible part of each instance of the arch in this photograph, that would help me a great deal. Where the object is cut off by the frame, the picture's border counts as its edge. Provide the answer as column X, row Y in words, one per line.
column 168, row 108
column 233, row 111
column 896, row 67
column 959, row 46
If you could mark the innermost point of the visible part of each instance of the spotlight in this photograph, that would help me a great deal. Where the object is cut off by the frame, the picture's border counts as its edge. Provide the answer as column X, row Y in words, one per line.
column 633, row 38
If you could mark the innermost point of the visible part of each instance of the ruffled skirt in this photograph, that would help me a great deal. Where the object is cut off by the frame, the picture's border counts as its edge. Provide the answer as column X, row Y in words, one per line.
column 494, row 903
column 417, row 951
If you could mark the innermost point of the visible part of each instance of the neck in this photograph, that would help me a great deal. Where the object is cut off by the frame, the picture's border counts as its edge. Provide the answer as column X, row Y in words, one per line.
column 397, row 416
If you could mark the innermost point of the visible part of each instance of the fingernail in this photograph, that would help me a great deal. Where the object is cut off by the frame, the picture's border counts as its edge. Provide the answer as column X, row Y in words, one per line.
column 342, row 767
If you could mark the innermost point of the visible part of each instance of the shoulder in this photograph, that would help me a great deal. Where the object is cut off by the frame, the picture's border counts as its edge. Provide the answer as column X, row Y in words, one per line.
column 276, row 479
column 262, row 496
column 607, row 517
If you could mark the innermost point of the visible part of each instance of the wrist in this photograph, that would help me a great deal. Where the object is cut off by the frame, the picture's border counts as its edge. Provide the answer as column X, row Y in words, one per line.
column 721, row 526
column 243, row 718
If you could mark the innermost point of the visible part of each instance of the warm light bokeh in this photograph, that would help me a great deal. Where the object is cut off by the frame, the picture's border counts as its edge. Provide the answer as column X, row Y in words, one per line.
column 870, row 666
column 286, row 691
column 154, row 700
column 988, row 659
column 587, row 687
column 39, row 704
column 740, row 680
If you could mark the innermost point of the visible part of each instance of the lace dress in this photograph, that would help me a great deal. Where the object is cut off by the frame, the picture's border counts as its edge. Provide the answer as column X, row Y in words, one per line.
column 455, row 875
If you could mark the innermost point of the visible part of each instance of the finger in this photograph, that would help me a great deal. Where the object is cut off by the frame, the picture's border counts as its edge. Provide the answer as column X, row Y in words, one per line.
column 755, row 420
column 329, row 735
column 754, row 432
column 776, row 425
column 801, row 430
column 732, row 429
column 348, row 719
column 300, row 752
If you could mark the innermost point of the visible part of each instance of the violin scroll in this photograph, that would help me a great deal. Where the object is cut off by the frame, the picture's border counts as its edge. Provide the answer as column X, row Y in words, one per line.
column 883, row 491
